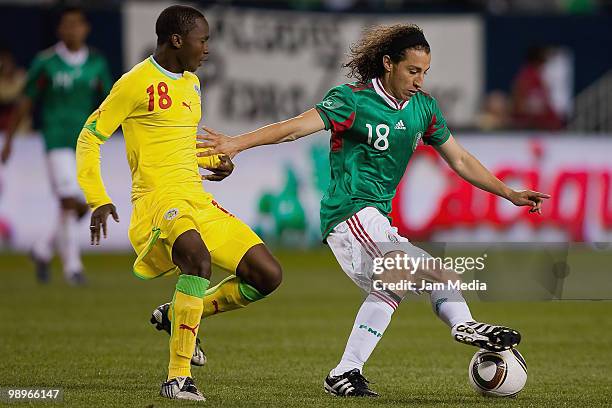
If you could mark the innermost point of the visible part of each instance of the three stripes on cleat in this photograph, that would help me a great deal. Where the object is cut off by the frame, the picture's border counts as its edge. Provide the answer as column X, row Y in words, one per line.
column 489, row 337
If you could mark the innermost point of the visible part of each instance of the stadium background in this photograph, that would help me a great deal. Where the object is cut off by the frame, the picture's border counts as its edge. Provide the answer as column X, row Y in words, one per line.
column 269, row 61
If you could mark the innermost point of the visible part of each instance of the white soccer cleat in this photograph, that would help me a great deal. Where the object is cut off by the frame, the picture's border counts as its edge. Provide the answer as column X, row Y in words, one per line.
column 181, row 388
column 486, row 336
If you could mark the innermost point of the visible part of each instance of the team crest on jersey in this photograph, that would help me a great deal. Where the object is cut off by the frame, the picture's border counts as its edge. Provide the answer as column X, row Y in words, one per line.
column 417, row 137
column 197, row 89
column 392, row 237
column 331, row 103
column 171, row 214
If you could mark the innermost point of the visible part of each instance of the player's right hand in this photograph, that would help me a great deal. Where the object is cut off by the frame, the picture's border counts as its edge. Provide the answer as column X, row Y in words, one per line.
column 6, row 153
column 217, row 143
column 98, row 221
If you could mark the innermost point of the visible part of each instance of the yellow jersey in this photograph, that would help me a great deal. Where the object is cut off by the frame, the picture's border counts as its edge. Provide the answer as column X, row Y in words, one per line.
column 159, row 112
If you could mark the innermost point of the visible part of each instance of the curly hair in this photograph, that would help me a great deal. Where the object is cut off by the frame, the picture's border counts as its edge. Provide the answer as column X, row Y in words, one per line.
column 366, row 56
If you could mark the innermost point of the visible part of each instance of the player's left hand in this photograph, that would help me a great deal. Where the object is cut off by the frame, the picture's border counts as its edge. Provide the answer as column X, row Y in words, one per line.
column 224, row 169
column 533, row 199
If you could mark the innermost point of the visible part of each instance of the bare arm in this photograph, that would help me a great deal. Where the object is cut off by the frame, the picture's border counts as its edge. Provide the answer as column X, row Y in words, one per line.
column 289, row 130
column 24, row 107
column 472, row 171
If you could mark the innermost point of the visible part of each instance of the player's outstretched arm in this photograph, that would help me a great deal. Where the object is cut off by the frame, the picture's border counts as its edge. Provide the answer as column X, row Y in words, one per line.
column 289, row 130
column 471, row 170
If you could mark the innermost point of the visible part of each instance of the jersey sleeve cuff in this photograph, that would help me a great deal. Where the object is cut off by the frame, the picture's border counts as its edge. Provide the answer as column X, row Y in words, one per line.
column 92, row 128
column 440, row 141
column 324, row 118
column 95, row 206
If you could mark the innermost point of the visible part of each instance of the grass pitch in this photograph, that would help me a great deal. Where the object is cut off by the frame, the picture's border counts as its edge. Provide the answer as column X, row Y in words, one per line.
column 97, row 345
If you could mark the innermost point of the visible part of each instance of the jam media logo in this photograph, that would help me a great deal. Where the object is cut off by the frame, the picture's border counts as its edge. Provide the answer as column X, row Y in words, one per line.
column 191, row 329
column 171, row 214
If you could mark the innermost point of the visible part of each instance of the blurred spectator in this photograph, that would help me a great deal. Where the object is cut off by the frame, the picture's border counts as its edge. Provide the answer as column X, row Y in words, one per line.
column 558, row 75
column 12, row 80
column 531, row 99
column 495, row 113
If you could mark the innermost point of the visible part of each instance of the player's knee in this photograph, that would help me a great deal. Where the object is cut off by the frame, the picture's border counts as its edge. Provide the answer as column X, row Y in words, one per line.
column 263, row 276
column 195, row 263
column 201, row 266
column 272, row 276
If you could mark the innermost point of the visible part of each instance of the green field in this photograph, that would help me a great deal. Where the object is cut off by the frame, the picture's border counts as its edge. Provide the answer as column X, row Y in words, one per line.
column 97, row 345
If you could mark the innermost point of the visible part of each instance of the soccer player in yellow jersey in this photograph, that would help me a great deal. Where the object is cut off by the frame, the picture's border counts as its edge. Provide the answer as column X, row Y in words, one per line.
column 175, row 227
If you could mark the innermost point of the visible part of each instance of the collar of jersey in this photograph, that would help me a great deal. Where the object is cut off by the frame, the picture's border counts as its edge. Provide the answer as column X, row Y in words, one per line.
column 72, row 58
column 389, row 100
column 163, row 70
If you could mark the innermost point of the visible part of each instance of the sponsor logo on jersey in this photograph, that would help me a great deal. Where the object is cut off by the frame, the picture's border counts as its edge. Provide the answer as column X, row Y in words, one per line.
column 187, row 105
column 400, row 125
column 171, row 214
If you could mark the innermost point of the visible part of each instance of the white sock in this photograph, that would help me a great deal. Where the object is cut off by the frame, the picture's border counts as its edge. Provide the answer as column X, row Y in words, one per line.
column 370, row 324
column 450, row 306
column 68, row 243
column 43, row 247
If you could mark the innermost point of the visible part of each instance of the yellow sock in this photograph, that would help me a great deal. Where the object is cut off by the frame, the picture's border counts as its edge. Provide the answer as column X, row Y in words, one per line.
column 230, row 294
column 185, row 312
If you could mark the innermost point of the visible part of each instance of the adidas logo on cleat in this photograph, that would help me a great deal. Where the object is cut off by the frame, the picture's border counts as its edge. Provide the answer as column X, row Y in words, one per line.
column 400, row 125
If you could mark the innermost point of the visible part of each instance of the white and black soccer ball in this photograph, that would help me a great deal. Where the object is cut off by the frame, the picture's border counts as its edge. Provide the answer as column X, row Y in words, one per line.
column 498, row 374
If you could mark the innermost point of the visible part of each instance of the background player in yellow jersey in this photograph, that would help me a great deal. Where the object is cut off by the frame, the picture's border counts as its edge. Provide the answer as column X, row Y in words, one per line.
column 175, row 227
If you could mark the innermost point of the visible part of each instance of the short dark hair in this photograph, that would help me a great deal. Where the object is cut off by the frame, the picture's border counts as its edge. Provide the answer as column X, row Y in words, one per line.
column 366, row 55
column 176, row 20
column 70, row 10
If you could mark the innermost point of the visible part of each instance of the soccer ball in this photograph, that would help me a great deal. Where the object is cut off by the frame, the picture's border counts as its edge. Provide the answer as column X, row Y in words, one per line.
column 498, row 374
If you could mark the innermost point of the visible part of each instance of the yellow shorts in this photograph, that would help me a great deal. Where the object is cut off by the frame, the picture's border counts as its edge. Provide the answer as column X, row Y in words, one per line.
column 157, row 221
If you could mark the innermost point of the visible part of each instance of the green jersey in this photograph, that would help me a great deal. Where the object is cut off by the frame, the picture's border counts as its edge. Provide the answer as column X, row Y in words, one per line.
column 373, row 137
column 67, row 93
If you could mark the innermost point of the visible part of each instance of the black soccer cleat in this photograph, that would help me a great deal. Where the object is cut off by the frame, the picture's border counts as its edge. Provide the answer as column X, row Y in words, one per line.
column 42, row 268
column 486, row 336
column 181, row 388
column 159, row 318
column 349, row 384
column 77, row 279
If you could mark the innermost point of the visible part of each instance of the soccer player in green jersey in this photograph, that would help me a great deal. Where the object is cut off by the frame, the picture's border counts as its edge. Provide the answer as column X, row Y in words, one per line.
column 68, row 80
column 375, row 126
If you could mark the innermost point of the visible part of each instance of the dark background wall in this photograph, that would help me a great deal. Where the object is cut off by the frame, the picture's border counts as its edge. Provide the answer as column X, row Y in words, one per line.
column 508, row 38
column 27, row 30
